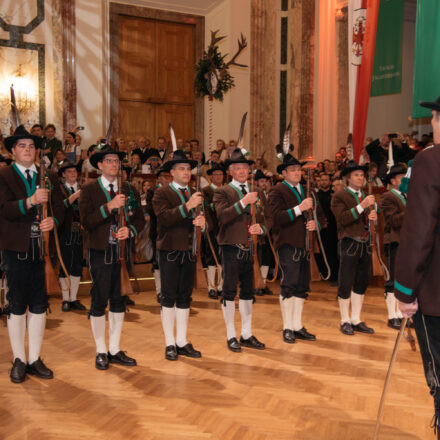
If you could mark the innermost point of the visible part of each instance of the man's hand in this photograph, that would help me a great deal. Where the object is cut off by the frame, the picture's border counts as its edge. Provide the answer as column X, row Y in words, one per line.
column 41, row 195
column 368, row 201
column 117, row 202
column 47, row 224
column 195, row 200
column 408, row 310
column 123, row 233
column 249, row 198
column 372, row 216
column 200, row 221
column 306, row 204
column 311, row 225
column 74, row 196
column 255, row 229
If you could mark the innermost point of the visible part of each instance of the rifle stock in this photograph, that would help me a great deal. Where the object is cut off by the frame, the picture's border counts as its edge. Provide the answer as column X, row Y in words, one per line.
column 258, row 279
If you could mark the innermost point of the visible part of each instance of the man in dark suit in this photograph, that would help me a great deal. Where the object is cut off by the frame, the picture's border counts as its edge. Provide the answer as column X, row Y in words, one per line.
column 416, row 282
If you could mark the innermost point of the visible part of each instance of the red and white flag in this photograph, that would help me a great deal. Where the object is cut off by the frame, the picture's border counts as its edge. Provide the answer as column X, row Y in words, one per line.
column 362, row 27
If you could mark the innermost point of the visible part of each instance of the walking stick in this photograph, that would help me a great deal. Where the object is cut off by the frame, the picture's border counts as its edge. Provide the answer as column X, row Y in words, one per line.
column 388, row 378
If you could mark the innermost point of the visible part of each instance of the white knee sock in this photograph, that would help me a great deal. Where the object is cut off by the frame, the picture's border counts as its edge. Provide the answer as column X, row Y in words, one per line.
column 64, row 289
column 344, row 309
column 156, row 275
column 36, row 325
column 74, row 286
column 245, row 307
column 228, row 310
column 287, row 312
column 398, row 312
column 298, row 304
column 220, row 279
column 115, row 321
column 168, row 315
column 17, row 331
column 210, row 275
column 356, row 307
column 182, row 316
column 98, row 330
column 390, row 301
column 264, row 271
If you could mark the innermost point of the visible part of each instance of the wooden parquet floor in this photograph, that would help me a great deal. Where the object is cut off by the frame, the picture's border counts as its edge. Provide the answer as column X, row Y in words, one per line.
column 328, row 389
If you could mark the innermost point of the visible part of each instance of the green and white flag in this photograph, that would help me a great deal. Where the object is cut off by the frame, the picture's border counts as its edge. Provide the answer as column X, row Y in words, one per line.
column 387, row 70
column 426, row 85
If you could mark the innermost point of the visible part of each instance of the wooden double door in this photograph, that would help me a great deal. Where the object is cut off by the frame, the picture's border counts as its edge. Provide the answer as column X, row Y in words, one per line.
column 156, row 78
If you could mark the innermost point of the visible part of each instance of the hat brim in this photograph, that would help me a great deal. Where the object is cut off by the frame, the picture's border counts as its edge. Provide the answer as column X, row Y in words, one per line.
column 211, row 170
column 62, row 169
column 431, row 105
column 229, row 162
column 348, row 170
column 11, row 140
column 168, row 165
column 99, row 156
column 283, row 166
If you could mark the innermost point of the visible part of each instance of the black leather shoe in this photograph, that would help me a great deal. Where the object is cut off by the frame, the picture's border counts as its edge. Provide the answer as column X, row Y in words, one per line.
column 259, row 292
column 394, row 323
column 128, row 300
column 188, row 350
column 213, row 294
column 101, row 362
column 76, row 305
column 65, row 307
column 18, row 371
column 220, row 293
column 347, row 329
column 171, row 353
column 304, row 334
column 267, row 291
column 234, row 345
column 40, row 370
column 288, row 336
column 362, row 328
column 121, row 358
column 252, row 342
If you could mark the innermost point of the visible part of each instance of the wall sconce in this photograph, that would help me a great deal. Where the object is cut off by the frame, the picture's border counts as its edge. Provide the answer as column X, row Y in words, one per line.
column 339, row 14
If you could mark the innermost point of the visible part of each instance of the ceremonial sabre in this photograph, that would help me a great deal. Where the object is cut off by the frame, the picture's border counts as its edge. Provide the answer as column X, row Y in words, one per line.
column 388, row 378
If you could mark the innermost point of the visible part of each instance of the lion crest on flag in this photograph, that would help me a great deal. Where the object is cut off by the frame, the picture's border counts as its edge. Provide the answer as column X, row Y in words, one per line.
column 358, row 36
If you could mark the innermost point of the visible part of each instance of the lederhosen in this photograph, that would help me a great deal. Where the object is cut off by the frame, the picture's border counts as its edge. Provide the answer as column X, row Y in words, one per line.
column 25, row 273
column 354, row 257
column 294, row 261
column 71, row 242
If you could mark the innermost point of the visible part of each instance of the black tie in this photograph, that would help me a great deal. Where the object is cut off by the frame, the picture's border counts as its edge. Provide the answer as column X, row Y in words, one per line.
column 72, row 190
column 243, row 189
column 29, row 177
column 112, row 192
column 184, row 193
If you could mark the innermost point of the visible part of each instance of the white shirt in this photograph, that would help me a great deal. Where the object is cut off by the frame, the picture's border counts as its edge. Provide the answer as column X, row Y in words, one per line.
column 238, row 184
column 23, row 169
column 179, row 187
column 359, row 208
column 106, row 184
column 74, row 186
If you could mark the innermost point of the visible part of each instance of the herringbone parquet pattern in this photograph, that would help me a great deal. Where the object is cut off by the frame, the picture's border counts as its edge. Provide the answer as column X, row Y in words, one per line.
column 328, row 389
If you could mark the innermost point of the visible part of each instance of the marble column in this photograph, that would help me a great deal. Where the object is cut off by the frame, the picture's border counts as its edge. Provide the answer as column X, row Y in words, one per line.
column 264, row 68
column 69, row 60
column 301, row 75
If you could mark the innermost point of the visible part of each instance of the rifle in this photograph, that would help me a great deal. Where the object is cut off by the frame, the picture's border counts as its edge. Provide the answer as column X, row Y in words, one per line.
column 311, row 244
column 126, row 288
column 50, row 277
column 200, row 279
column 379, row 268
column 258, row 279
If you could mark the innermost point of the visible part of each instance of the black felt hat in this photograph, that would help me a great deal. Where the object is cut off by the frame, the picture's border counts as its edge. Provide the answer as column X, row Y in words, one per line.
column 101, row 153
column 432, row 105
column 160, row 171
column 260, row 175
column 65, row 166
column 395, row 171
column 21, row 133
column 288, row 160
column 353, row 166
column 216, row 167
column 237, row 156
column 179, row 156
